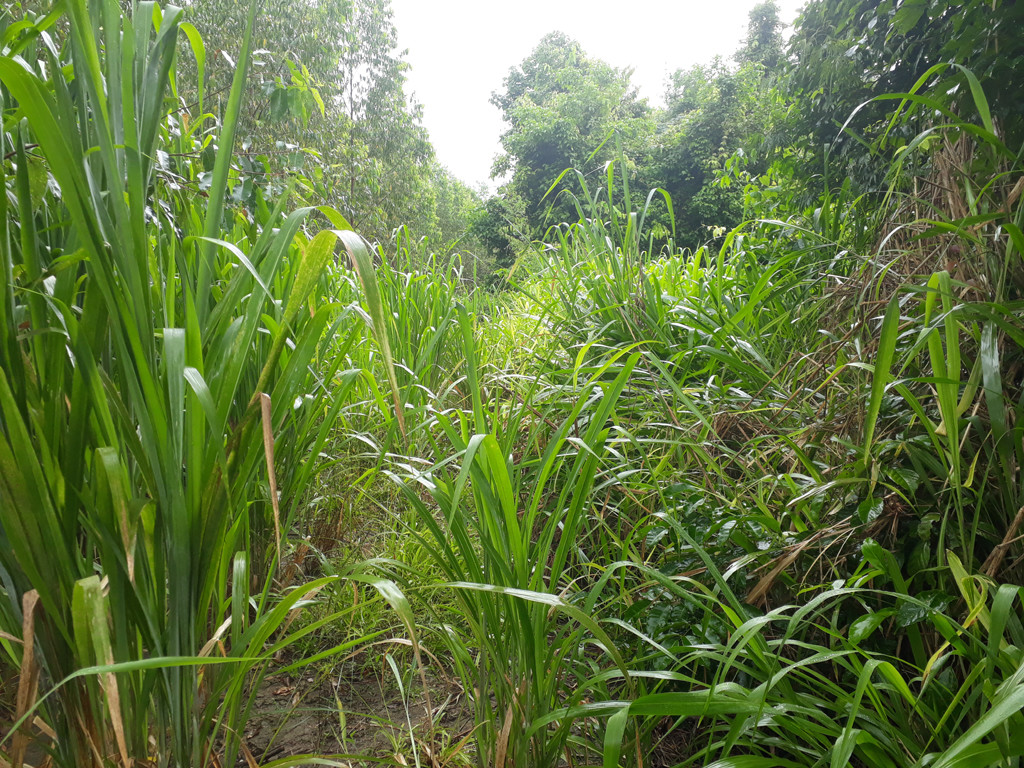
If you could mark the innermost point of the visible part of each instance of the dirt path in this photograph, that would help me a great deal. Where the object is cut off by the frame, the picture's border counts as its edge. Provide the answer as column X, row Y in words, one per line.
column 300, row 716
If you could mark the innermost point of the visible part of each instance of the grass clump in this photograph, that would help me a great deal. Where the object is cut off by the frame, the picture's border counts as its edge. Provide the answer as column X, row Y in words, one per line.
column 165, row 376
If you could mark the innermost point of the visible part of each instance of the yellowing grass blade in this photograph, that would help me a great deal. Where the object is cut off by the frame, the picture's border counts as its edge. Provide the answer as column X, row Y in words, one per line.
column 883, row 363
column 91, row 632
column 28, row 679
column 268, row 449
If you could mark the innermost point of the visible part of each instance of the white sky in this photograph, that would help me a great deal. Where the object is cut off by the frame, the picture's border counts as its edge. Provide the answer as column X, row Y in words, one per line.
column 461, row 50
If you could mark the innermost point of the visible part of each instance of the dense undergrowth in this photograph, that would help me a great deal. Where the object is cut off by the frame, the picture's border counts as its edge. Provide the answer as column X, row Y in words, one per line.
column 752, row 505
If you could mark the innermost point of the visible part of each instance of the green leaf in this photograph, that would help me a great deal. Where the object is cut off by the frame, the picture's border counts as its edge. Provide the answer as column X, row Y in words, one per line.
column 870, row 509
column 908, row 14
column 924, row 605
column 883, row 364
column 865, row 626
column 363, row 265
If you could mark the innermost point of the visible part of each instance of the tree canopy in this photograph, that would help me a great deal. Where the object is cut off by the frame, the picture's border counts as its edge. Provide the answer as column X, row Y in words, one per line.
column 561, row 107
column 326, row 101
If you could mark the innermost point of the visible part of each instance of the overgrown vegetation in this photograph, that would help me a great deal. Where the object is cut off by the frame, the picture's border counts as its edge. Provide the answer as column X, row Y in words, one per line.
column 740, row 497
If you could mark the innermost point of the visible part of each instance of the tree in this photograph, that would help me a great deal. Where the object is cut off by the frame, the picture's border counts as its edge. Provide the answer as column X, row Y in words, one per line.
column 711, row 113
column 499, row 225
column 296, row 40
column 382, row 153
column 844, row 53
column 763, row 44
column 326, row 99
column 561, row 106
column 454, row 206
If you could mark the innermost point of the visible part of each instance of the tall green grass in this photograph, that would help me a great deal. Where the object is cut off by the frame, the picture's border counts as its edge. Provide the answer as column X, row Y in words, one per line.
column 165, row 381
column 744, row 507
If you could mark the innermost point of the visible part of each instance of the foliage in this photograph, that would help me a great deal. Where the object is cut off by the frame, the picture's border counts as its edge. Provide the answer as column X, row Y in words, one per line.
column 499, row 225
column 383, row 154
column 802, row 494
column 561, row 107
column 567, row 111
column 327, row 102
column 846, row 53
column 293, row 41
column 454, row 205
column 763, row 44
column 712, row 113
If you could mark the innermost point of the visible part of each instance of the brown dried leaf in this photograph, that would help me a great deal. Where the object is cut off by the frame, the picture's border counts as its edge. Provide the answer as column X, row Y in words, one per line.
column 268, row 447
column 28, row 679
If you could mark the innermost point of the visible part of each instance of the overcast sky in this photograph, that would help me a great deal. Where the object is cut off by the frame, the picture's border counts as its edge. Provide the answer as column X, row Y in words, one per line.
column 461, row 50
